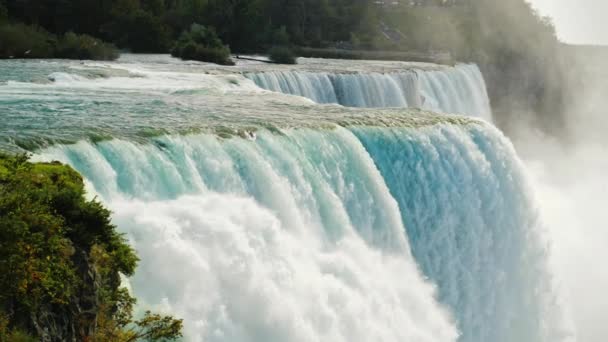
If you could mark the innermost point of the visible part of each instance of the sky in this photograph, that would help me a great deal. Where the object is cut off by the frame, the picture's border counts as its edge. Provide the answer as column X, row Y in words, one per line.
column 577, row 21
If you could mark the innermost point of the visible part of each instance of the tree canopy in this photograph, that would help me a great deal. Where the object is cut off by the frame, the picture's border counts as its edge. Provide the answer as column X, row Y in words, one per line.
column 61, row 261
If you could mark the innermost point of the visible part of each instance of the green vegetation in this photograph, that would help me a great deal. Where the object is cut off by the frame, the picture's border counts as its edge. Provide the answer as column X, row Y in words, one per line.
column 23, row 41
column 61, row 260
column 282, row 55
column 202, row 44
column 256, row 25
column 74, row 46
column 281, row 52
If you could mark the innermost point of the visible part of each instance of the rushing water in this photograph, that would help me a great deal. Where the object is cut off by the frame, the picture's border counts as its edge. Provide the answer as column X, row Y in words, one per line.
column 457, row 90
column 260, row 216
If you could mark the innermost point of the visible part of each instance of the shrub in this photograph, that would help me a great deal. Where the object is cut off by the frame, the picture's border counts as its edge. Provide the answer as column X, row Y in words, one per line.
column 61, row 260
column 282, row 55
column 23, row 41
column 206, row 36
column 217, row 55
column 74, row 46
column 202, row 44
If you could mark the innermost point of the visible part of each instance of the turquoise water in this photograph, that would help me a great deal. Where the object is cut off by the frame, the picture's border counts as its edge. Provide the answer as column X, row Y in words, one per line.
column 46, row 102
column 262, row 216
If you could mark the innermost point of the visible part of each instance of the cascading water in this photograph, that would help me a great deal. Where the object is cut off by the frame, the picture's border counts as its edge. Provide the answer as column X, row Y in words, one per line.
column 277, row 219
column 473, row 228
column 288, row 238
column 302, row 227
column 460, row 89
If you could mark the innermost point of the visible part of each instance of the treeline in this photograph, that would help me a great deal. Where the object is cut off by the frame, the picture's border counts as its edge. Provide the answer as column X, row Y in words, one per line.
column 154, row 25
column 467, row 28
column 18, row 40
column 161, row 26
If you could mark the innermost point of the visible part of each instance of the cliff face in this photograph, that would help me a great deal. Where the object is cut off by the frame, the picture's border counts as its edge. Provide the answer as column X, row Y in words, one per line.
column 76, row 320
column 60, row 257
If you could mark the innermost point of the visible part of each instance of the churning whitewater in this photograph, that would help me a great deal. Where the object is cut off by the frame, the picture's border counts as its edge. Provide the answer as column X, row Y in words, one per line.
column 266, row 240
column 298, row 237
column 266, row 217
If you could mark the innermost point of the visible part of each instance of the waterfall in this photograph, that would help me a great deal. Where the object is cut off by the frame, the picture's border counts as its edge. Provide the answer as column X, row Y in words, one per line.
column 324, row 235
column 263, row 216
column 473, row 227
column 459, row 90
column 266, row 240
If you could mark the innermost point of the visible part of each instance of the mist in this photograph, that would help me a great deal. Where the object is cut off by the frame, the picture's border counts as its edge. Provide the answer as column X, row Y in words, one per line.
column 577, row 22
column 569, row 174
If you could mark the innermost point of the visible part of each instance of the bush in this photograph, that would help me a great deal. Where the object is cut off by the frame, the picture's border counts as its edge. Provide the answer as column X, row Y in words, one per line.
column 22, row 41
column 202, row 44
column 206, row 36
column 74, row 46
column 61, row 260
column 208, row 54
column 282, row 55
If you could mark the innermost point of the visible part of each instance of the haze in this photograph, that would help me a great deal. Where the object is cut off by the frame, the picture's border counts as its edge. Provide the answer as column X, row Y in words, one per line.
column 577, row 22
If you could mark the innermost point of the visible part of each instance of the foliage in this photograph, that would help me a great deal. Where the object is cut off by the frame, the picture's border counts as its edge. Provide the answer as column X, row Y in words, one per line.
column 74, row 46
column 200, row 34
column 202, row 44
column 280, row 37
column 280, row 52
column 142, row 31
column 23, row 41
column 248, row 25
column 35, row 254
column 12, row 335
column 58, row 249
column 150, row 25
column 121, row 327
column 282, row 55
column 3, row 12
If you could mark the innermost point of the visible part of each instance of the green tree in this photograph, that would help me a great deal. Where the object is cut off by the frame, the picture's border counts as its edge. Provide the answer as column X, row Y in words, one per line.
column 203, row 44
column 61, row 260
column 280, row 37
column 282, row 55
column 143, row 32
